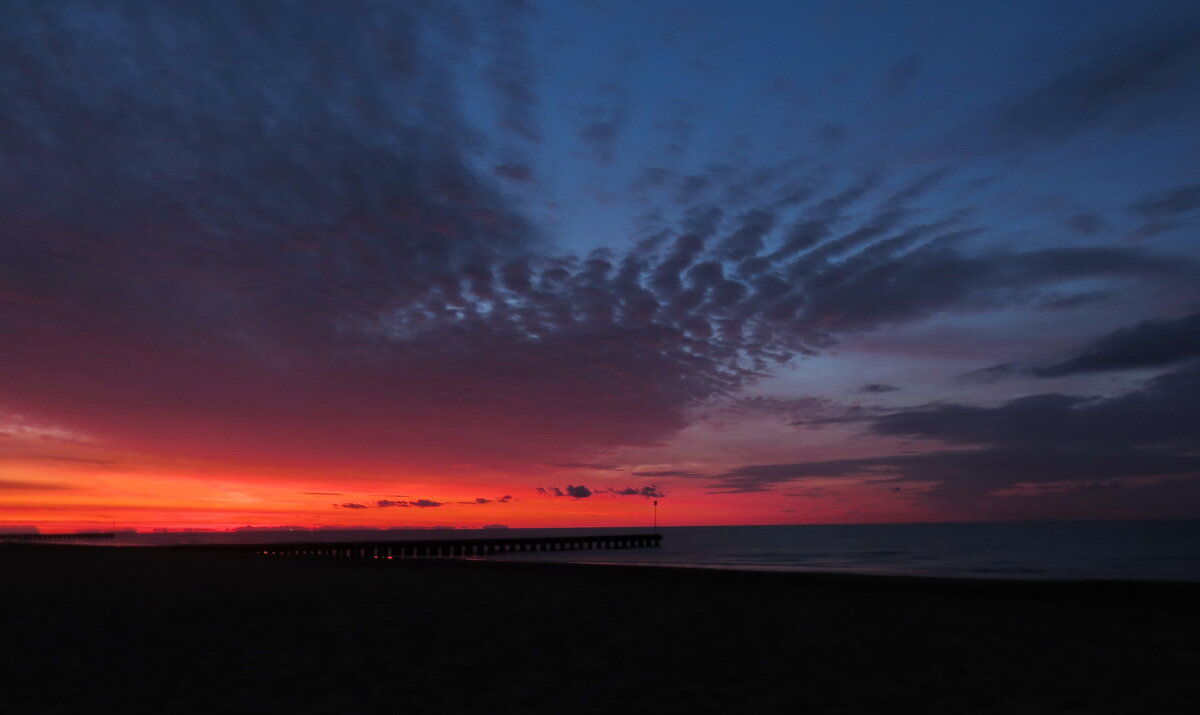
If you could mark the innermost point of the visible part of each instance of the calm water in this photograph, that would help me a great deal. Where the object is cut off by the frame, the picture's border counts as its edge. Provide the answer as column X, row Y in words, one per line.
column 1159, row 550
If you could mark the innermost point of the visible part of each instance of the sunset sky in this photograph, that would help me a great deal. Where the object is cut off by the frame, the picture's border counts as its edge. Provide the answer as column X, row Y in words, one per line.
column 542, row 263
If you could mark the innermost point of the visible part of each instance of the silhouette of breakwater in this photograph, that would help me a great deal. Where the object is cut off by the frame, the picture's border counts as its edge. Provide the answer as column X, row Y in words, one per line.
column 453, row 548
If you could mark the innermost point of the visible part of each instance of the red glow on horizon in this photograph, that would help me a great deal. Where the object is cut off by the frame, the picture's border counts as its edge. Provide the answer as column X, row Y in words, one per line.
column 65, row 485
column 184, row 503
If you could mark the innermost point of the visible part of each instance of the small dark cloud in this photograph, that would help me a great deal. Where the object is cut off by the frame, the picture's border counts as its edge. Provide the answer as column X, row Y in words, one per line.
column 602, row 125
column 678, row 130
column 1086, row 224
column 831, row 135
column 1001, row 371
column 1151, row 343
column 484, row 500
column 693, row 188
column 1168, row 203
column 575, row 492
column 903, row 72
column 876, row 388
column 422, row 503
column 647, row 492
column 601, row 136
column 351, row 505
column 514, row 172
column 748, row 239
column 578, row 492
column 651, row 178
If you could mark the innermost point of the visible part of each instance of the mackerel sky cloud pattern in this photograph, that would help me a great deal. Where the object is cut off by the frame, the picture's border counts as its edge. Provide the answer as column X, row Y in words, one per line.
column 469, row 248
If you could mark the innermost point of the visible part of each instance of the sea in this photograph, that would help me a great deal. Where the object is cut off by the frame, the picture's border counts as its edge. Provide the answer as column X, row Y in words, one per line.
column 1161, row 550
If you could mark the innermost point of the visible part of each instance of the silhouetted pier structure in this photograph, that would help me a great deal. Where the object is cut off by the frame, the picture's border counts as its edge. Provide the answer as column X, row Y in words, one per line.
column 457, row 548
column 57, row 537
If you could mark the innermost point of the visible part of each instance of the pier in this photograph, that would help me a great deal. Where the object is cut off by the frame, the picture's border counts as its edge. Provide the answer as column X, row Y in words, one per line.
column 456, row 548
column 57, row 537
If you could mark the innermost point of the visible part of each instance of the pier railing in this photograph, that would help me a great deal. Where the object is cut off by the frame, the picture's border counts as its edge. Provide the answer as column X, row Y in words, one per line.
column 456, row 548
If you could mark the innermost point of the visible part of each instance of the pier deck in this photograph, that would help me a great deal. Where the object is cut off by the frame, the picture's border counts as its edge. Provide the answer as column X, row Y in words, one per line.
column 454, row 548
column 57, row 537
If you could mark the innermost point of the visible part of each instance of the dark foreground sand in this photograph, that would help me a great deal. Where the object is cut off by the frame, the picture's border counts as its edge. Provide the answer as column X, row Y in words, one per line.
column 96, row 629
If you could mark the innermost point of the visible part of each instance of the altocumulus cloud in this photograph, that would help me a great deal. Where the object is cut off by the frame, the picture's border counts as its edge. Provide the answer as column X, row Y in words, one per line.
column 306, row 262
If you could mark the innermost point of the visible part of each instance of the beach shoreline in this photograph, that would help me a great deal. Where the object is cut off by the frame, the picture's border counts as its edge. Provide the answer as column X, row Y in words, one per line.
column 200, row 630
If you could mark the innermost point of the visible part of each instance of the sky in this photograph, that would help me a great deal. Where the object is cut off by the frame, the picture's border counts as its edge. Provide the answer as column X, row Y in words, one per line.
column 392, row 264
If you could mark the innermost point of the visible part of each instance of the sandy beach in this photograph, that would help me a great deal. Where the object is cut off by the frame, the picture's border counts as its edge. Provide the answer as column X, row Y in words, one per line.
column 89, row 629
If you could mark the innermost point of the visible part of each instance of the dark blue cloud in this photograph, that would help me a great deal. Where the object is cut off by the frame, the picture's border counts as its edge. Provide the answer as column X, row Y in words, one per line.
column 1048, row 438
column 1164, row 211
column 1133, row 80
column 1148, row 344
column 1151, row 343
column 875, row 388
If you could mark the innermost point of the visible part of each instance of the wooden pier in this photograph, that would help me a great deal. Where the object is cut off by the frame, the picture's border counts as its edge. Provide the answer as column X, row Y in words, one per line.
column 455, row 548
column 57, row 537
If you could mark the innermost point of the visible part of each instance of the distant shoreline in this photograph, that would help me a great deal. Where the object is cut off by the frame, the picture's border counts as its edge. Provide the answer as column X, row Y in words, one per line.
column 517, row 564
column 1136, row 551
